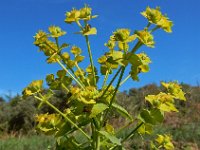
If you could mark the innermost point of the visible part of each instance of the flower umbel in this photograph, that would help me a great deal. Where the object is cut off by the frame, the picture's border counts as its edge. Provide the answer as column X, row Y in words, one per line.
column 82, row 14
column 154, row 16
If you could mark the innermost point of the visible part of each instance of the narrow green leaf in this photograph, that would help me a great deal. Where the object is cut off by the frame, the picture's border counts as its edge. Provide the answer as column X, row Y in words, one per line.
column 122, row 111
column 97, row 108
column 111, row 137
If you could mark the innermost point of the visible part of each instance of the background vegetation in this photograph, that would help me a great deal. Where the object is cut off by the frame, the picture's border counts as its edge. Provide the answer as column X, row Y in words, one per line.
column 17, row 119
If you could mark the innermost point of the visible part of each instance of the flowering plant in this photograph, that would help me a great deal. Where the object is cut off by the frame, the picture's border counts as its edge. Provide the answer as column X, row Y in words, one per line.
column 89, row 106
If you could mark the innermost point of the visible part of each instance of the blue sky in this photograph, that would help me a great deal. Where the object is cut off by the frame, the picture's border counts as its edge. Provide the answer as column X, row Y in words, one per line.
column 175, row 56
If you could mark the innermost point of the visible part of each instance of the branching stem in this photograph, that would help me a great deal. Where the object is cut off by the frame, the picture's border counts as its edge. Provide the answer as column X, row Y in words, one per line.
column 70, row 74
column 114, row 94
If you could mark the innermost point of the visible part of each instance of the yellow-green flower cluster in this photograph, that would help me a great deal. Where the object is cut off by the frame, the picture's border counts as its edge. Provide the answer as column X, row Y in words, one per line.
column 154, row 16
column 145, row 61
column 48, row 123
column 33, row 88
column 56, row 31
column 162, row 101
column 82, row 14
column 140, row 63
column 121, row 37
column 162, row 142
column 88, row 95
column 58, row 83
column 50, row 49
column 40, row 38
column 165, row 101
column 175, row 90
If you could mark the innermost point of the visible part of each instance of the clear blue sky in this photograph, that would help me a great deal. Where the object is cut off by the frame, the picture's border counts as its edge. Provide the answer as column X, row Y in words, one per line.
column 175, row 57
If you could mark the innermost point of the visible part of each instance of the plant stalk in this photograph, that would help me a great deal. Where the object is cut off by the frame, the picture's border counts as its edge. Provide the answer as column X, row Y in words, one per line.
column 125, row 79
column 89, row 52
column 70, row 74
column 91, row 59
column 105, row 78
column 114, row 94
column 113, row 79
column 132, row 132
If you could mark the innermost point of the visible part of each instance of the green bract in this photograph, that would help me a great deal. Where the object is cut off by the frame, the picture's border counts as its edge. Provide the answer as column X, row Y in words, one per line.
column 88, row 105
column 123, row 35
column 145, row 37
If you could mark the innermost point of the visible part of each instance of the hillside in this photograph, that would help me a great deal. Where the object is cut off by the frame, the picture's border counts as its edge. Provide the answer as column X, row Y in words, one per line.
column 17, row 116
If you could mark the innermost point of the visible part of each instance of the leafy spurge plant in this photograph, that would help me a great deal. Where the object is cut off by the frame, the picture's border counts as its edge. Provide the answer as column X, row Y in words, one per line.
column 89, row 106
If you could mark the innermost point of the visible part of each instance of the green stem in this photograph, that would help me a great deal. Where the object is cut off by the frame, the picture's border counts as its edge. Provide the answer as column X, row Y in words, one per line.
column 154, row 29
column 57, row 44
column 148, row 25
column 70, row 74
column 113, row 79
column 97, row 127
column 77, row 66
column 80, row 26
column 98, row 142
column 105, row 78
column 55, row 51
column 125, row 79
column 132, row 132
column 64, row 87
column 89, row 52
column 91, row 59
column 138, row 45
column 129, row 135
column 59, row 53
column 62, row 56
column 58, row 47
column 114, row 94
column 123, row 127
column 93, row 135
column 63, row 115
